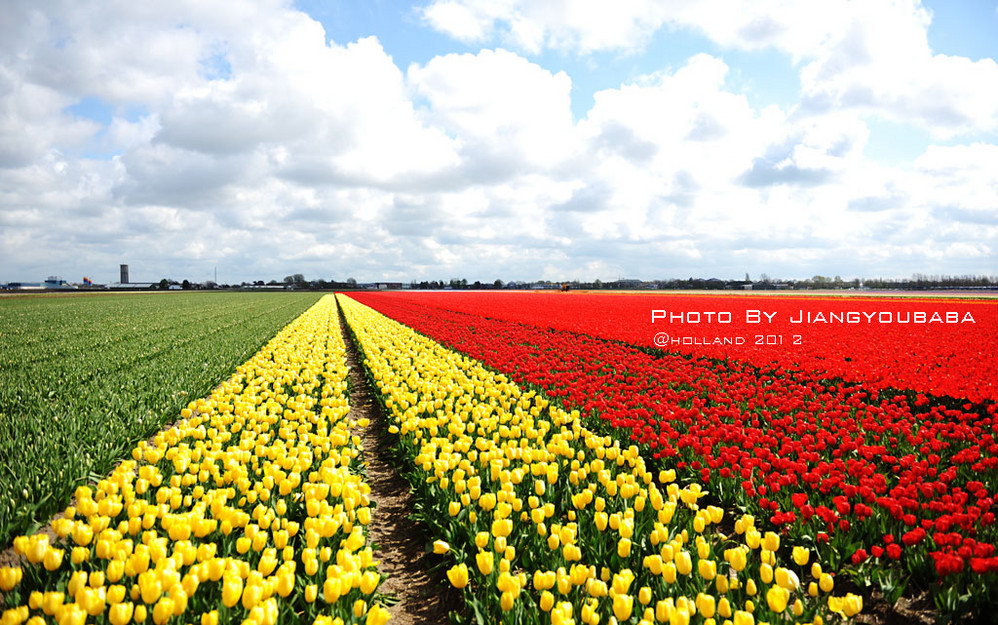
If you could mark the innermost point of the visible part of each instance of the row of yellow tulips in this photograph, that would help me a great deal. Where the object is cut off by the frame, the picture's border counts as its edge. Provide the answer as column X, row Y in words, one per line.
column 546, row 521
column 251, row 509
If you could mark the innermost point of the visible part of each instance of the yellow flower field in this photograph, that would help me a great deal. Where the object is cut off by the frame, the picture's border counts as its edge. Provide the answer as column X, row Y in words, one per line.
column 251, row 509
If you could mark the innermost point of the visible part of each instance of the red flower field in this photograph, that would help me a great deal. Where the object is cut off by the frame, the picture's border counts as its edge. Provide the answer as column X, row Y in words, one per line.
column 937, row 346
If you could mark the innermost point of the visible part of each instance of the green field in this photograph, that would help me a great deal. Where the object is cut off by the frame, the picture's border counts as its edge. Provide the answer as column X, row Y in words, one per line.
column 85, row 377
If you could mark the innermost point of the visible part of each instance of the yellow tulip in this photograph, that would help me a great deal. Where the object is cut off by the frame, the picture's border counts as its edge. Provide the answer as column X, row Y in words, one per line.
column 458, row 575
column 826, row 582
column 699, row 525
column 772, row 541
column 664, row 610
column 547, row 601
column 10, row 576
column 486, row 562
column 743, row 618
column 369, row 581
column 705, row 605
column 359, row 608
column 785, row 578
column 653, row 563
column 623, row 604
column 150, row 587
column 684, row 563
column 482, row 539
column 777, row 598
column 644, row 595
column 724, row 608
column 232, row 590
column 162, row 611
column 624, row 548
column 801, row 555
column 377, row 616
column 669, row 572
column 506, row 601
column 707, row 569
column 121, row 613
column 115, row 594
column 766, row 573
column 332, row 590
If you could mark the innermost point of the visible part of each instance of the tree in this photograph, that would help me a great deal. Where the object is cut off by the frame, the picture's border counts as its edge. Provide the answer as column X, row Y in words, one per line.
column 352, row 282
column 186, row 284
column 497, row 284
column 164, row 283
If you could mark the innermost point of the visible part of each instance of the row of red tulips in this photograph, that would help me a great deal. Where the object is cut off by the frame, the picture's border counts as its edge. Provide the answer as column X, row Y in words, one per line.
column 896, row 489
column 934, row 346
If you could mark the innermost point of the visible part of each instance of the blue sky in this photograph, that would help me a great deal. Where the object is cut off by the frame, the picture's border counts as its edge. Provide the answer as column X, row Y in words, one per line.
column 451, row 138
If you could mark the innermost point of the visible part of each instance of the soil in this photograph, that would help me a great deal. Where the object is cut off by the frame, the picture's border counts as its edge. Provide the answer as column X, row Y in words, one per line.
column 400, row 544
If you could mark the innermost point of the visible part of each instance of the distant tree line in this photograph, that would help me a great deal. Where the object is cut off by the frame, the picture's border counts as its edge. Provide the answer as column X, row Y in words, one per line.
column 917, row 282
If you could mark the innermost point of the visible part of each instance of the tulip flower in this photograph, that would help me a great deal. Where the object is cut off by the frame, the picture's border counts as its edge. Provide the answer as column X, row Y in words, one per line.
column 486, row 562
column 458, row 575
column 10, row 576
column 623, row 604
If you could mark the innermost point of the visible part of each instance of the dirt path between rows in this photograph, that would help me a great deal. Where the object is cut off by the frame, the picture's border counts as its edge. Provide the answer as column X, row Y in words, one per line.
column 400, row 543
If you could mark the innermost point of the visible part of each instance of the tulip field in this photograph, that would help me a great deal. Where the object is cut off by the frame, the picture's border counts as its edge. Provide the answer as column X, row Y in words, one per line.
column 893, row 483
column 249, row 510
column 548, row 521
column 573, row 457
column 85, row 378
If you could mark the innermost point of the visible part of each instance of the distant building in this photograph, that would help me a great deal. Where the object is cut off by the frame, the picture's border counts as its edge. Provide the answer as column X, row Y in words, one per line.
column 56, row 282
column 52, row 283
column 124, row 274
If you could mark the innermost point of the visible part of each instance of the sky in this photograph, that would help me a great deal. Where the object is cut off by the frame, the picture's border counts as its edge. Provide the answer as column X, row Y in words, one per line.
column 385, row 140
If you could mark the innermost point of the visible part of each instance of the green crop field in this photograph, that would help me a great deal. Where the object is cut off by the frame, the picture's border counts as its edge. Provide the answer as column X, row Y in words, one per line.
column 85, row 377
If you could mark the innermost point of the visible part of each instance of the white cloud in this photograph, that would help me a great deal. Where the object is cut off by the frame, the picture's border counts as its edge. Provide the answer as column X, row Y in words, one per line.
column 586, row 25
column 872, row 56
column 881, row 63
column 507, row 114
column 463, row 21
column 32, row 121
